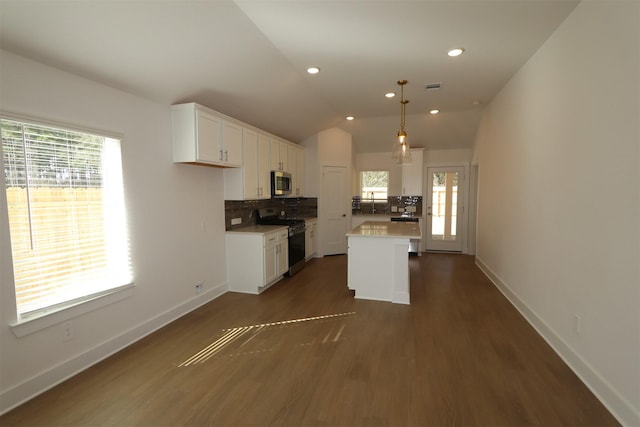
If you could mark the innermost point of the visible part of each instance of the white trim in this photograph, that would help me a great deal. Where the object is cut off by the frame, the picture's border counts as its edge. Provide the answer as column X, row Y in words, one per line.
column 621, row 409
column 60, row 125
column 46, row 319
column 40, row 383
column 464, row 235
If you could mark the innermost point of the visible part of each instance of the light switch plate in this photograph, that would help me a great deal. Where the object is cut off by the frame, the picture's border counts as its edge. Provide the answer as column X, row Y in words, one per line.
column 236, row 221
column 394, row 209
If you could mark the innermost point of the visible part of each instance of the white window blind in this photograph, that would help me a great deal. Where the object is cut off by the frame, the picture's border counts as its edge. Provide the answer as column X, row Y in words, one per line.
column 67, row 218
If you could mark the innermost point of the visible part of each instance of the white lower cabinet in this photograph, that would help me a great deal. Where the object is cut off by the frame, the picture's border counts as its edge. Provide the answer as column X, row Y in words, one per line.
column 256, row 260
column 310, row 239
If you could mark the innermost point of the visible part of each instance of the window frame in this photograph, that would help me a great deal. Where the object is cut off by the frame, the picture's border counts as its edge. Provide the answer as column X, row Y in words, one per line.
column 55, row 314
column 362, row 196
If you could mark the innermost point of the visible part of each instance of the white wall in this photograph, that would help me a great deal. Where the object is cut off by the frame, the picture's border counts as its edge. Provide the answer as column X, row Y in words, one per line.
column 167, row 204
column 330, row 147
column 381, row 162
column 447, row 157
column 559, row 197
column 384, row 161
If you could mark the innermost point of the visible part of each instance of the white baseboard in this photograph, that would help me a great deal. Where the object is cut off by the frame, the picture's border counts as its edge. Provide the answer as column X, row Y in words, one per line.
column 624, row 412
column 40, row 383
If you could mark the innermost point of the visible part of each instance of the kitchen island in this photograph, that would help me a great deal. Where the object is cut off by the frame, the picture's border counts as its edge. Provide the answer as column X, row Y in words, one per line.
column 378, row 260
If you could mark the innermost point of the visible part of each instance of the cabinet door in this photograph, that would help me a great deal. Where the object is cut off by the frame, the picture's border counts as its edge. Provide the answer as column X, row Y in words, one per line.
column 231, row 144
column 264, row 166
column 208, row 137
column 250, row 164
column 300, row 171
column 279, row 155
column 284, row 160
column 310, row 240
column 271, row 258
column 307, row 243
column 283, row 257
column 275, row 155
column 412, row 174
column 314, row 239
column 292, row 162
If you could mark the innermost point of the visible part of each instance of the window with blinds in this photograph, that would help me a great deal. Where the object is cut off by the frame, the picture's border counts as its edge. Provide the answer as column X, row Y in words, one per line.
column 67, row 217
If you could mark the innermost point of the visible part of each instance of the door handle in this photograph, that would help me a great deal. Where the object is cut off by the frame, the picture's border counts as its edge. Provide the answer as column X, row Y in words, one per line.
column 343, row 215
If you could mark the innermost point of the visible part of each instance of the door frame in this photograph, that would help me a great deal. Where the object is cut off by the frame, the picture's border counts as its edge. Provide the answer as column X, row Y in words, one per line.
column 323, row 219
column 462, row 201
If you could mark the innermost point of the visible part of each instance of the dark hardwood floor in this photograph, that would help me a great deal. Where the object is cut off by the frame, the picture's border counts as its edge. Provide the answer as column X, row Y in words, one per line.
column 305, row 352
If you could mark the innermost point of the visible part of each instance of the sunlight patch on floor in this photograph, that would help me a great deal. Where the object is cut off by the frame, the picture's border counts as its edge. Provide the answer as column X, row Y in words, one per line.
column 233, row 334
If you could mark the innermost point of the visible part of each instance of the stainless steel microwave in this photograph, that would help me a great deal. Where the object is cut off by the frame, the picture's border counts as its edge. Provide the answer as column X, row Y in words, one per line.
column 280, row 184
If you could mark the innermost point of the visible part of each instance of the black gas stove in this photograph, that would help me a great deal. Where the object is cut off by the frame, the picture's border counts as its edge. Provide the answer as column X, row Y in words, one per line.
column 270, row 216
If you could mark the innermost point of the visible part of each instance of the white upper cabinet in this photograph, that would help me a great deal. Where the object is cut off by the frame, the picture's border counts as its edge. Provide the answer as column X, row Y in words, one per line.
column 203, row 136
column 279, row 155
column 231, row 147
column 296, row 168
column 252, row 180
column 264, row 166
column 412, row 174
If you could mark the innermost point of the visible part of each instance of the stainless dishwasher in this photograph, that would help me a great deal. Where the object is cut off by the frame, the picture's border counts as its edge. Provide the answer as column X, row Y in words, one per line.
column 413, row 243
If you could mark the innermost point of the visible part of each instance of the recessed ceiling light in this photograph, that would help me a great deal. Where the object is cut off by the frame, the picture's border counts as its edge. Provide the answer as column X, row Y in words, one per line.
column 313, row 70
column 350, row 118
column 456, row 52
column 390, row 94
column 434, row 111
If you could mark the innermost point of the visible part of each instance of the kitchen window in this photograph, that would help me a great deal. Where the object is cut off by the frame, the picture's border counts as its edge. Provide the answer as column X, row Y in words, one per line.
column 67, row 219
column 374, row 185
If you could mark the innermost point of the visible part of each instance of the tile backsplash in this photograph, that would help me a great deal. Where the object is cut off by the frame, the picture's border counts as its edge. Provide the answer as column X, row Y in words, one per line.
column 393, row 204
column 301, row 207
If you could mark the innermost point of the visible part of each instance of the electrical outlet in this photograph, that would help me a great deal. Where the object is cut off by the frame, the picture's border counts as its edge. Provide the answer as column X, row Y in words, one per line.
column 236, row 221
column 199, row 287
column 576, row 324
column 67, row 332
column 411, row 209
column 394, row 209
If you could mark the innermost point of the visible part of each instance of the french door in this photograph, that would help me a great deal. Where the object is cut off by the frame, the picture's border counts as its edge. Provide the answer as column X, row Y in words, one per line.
column 444, row 204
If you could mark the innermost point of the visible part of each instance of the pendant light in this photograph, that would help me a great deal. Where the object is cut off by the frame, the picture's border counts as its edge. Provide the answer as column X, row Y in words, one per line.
column 401, row 151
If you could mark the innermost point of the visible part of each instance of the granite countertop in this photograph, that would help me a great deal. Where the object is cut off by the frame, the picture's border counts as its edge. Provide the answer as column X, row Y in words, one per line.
column 389, row 215
column 257, row 229
column 386, row 229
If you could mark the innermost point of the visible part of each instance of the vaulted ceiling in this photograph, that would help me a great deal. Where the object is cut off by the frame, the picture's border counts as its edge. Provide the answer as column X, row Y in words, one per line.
column 248, row 59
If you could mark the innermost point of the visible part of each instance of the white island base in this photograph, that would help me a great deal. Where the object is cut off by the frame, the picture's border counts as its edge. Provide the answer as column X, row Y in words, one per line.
column 378, row 261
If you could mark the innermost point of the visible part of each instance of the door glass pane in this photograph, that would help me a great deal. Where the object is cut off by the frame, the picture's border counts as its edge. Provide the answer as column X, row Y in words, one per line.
column 444, row 205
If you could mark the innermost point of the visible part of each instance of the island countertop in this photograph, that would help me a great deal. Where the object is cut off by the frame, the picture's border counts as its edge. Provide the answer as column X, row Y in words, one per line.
column 410, row 230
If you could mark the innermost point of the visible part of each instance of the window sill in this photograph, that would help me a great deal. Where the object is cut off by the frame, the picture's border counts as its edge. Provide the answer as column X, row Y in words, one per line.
column 30, row 325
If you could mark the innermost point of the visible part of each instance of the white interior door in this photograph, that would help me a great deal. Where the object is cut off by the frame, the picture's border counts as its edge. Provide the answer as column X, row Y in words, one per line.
column 335, row 202
column 444, row 204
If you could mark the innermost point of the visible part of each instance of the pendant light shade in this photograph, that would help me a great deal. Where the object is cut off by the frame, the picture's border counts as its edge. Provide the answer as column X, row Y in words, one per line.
column 401, row 152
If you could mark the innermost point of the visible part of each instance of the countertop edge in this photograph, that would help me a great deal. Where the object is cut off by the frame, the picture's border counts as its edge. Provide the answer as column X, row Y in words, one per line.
column 256, row 229
column 383, row 225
